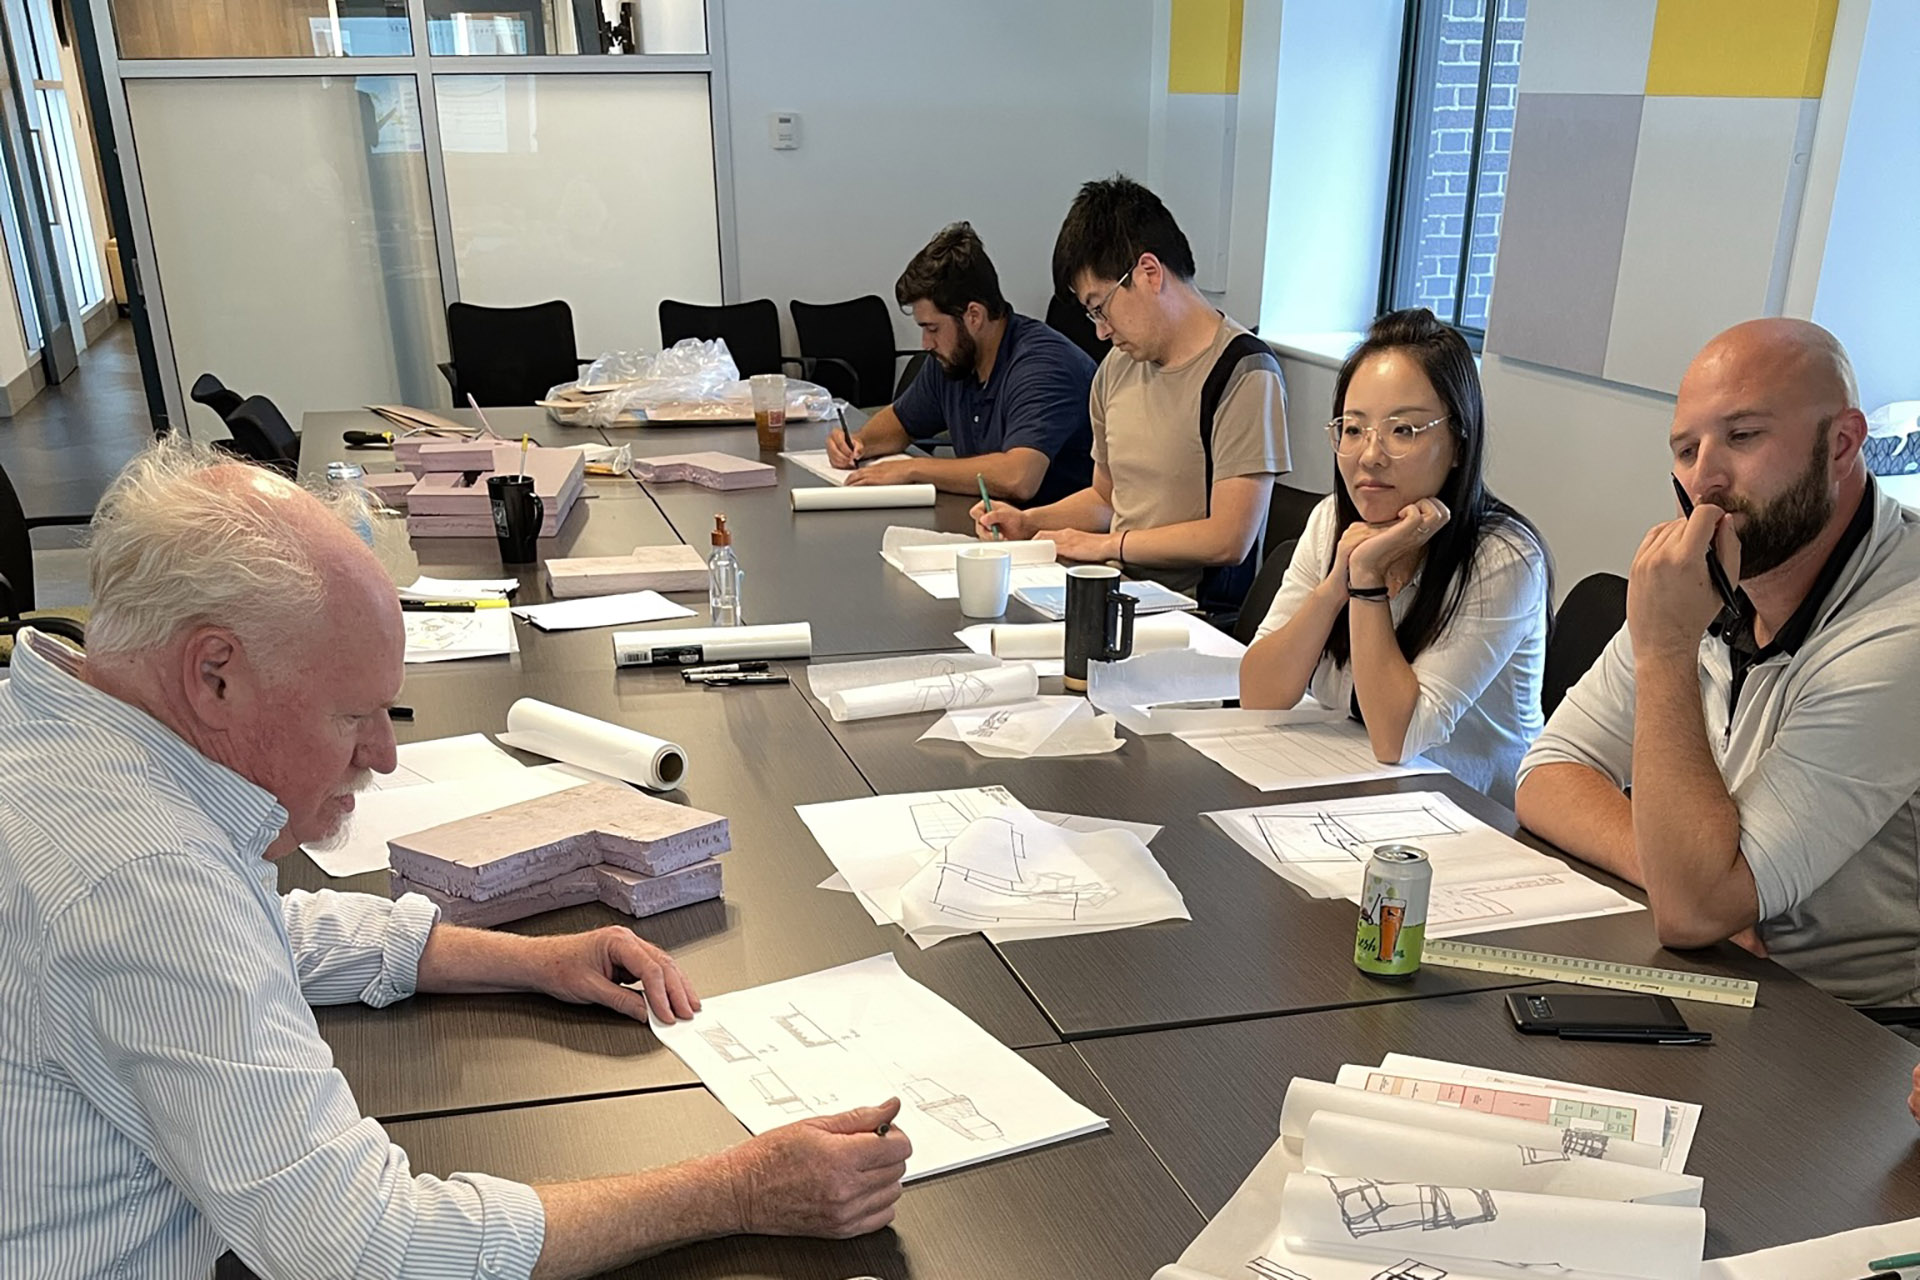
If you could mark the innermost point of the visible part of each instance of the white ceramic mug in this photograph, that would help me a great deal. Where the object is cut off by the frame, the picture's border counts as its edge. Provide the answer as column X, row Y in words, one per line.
column 985, row 574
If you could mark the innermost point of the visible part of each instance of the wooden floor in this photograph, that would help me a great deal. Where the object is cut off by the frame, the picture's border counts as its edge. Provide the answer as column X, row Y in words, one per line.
column 64, row 447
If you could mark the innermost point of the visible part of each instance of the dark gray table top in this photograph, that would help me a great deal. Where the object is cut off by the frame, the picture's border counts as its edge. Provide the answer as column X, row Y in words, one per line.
column 1098, row 1207
column 753, row 753
column 1804, row 1129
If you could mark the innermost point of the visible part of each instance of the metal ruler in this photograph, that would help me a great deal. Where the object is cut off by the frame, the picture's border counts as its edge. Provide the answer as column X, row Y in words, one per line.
column 1591, row 973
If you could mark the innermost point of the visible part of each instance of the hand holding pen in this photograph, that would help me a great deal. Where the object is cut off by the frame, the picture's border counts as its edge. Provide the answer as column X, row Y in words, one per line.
column 843, row 451
column 1670, row 602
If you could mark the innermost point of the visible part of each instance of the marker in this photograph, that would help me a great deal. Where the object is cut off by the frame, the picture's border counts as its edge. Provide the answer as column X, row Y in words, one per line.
column 724, row 669
column 367, row 439
column 450, row 606
column 1630, row 1035
column 846, row 435
column 488, row 426
column 883, row 1130
column 400, row 713
column 744, row 677
column 987, row 502
column 523, row 455
column 1715, row 569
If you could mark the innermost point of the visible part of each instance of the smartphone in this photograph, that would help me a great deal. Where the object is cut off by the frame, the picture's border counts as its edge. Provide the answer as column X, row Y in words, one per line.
column 1579, row 1016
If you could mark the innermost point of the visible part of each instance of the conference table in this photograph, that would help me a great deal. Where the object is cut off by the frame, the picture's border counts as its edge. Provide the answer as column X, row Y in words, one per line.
column 1184, row 1034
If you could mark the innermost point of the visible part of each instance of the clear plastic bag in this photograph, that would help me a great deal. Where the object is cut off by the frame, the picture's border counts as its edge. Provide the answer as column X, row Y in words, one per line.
column 693, row 382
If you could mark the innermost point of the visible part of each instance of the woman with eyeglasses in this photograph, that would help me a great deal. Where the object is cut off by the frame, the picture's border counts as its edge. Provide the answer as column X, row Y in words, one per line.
column 1414, row 597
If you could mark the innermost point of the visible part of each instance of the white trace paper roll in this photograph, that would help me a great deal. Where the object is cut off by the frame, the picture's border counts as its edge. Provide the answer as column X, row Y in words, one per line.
column 859, row 497
column 1305, row 1097
column 566, row 735
column 686, row 646
column 1504, row 1232
column 991, row 687
column 1041, row 640
column 1343, row 1144
column 941, row 557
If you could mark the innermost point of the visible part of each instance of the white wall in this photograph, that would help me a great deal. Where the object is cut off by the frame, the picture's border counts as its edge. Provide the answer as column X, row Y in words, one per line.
column 13, row 336
column 914, row 115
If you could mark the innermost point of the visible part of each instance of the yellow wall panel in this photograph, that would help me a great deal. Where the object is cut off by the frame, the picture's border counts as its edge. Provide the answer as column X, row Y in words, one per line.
column 1740, row 48
column 1204, row 56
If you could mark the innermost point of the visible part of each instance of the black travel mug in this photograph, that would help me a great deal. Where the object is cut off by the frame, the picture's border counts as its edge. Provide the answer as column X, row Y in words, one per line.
column 517, row 513
column 1099, row 621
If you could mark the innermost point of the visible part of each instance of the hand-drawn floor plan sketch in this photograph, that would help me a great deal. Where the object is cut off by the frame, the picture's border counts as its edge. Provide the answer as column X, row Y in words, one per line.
column 987, row 878
column 1369, row 1207
column 1349, row 837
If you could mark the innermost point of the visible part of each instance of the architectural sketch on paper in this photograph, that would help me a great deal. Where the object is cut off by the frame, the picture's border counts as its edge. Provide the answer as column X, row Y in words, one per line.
column 954, row 689
column 954, row 1110
column 1457, row 904
column 1349, row 837
column 1266, row 1268
column 804, row 1029
column 990, row 728
column 1410, row 1269
column 936, row 822
column 1534, row 1155
column 776, row 1093
column 991, row 882
column 1369, row 1208
column 1584, row 1142
column 726, row 1044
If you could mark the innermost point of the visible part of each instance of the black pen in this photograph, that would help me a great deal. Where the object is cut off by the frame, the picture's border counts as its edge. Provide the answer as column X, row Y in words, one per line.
column 745, row 677
column 1637, row 1035
column 1715, row 569
column 846, row 435
column 400, row 713
column 724, row 669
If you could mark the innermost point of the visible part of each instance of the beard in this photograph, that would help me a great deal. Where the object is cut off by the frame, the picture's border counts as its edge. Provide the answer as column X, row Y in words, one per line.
column 1776, row 532
column 342, row 831
column 966, row 358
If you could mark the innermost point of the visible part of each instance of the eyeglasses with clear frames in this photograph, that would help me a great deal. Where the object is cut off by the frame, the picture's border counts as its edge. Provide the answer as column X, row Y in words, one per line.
column 1098, row 311
column 1397, row 436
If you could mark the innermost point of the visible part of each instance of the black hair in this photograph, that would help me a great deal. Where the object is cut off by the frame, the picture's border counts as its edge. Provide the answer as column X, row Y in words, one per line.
column 952, row 271
column 1473, row 510
column 1112, row 222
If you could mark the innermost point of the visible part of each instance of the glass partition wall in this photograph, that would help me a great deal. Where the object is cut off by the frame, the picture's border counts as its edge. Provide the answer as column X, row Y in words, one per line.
column 309, row 182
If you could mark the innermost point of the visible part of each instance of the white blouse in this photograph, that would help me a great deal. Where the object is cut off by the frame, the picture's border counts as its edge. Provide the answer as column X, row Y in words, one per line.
column 1479, row 703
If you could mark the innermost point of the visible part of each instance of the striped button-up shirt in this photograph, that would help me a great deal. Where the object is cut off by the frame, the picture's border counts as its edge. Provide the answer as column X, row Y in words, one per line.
column 164, row 1092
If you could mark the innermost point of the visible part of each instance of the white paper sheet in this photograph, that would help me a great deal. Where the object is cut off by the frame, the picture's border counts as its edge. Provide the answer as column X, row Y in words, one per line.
column 916, row 551
column 1659, row 1122
column 1049, row 727
column 1146, row 831
column 824, row 679
column 1151, row 679
column 610, row 750
column 444, row 760
column 448, row 637
column 815, row 462
column 946, row 586
column 1482, row 880
column 379, row 816
column 879, row 842
column 603, row 611
column 1043, row 643
column 1835, row 1257
column 1013, row 875
column 1275, row 758
column 425, row 588
column 993, row 687
column 1049, row 599
column 859, row 1034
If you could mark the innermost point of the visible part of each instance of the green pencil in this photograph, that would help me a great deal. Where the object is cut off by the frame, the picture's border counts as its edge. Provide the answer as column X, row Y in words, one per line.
column 987, row 502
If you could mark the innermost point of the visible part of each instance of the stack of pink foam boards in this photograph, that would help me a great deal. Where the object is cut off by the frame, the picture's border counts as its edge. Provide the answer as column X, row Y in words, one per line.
column 451, row 499
column 673, row 568
column 597, row 842
column 712, row 470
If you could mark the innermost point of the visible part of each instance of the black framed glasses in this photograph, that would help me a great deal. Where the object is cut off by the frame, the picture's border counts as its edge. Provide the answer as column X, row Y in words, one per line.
column 1098, row 311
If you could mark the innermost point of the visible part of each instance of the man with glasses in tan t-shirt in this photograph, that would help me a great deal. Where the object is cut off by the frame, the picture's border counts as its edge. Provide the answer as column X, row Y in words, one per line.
column 1189, row 411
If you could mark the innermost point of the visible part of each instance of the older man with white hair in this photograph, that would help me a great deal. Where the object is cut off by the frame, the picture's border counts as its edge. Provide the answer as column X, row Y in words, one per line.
column 1769, row 740
column 164, row 1092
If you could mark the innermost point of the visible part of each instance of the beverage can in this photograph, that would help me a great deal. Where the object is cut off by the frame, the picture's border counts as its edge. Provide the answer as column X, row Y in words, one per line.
column 1393, row 912
column 339, row 472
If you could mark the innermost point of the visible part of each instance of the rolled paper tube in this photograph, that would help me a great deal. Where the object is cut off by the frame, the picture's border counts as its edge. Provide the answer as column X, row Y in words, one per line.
column 863, row 497
column 627, row 754
column 685, row 646
column 991, row 687
column 1041, row 640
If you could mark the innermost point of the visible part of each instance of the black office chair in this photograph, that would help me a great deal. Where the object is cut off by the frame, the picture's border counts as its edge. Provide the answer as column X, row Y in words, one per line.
column 912, row 371
column 1287, row 513
column 509, row 355
column 1589, row 617
column 213, row 393
column 16, row 574
column 1266, row 585
column 852, row 345
column 752, row 334
column 262, row 434
column 1070, row 318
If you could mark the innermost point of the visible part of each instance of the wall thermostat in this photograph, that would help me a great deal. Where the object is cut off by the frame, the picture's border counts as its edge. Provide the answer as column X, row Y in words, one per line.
column 784, row 126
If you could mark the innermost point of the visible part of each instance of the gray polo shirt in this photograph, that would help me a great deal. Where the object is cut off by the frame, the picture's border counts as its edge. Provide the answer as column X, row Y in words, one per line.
column 1821, row 753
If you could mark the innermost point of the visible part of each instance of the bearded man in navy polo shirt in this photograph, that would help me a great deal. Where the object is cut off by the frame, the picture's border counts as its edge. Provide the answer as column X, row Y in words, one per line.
column 1008, row 391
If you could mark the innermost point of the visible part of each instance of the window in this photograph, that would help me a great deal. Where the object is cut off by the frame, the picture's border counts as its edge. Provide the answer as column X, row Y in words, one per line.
column 1460, row 74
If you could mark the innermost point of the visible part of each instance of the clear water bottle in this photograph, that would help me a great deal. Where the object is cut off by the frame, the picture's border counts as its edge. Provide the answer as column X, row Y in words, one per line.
column 723, row 577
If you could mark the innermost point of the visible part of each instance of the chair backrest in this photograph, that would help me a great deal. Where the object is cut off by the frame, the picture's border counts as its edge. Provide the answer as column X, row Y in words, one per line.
column 860, row 332
column 912, row 371
column 213, row 393
column 1590, row 616
column 751, row 330
column 1266, row 585
column 1287, row 513
column 16, row 553
column 1070, row 318
column 263, row 433
column 511, row 355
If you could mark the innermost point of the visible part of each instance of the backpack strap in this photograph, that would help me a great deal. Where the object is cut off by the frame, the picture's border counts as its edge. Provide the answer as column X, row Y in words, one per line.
column 1224, row 587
